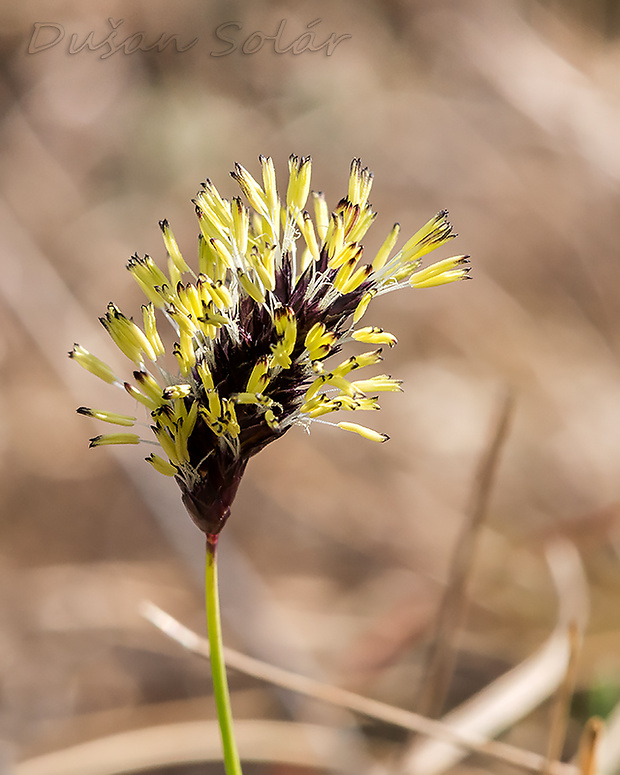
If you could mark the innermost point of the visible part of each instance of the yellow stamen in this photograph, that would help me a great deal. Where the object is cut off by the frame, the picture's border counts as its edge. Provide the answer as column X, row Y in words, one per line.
column 114, row 438
column 374, row 335
column 150, row 328
column 172, row 247
column 250, row 287
column 382, row 383
column 111, row 417
column 363, row 305
column 162, row 466
column 321, row 214
column 259, row 378
column 92, row 364
column 384, row 251
column 300, row 170
column 177, row 391
column 141, row 398
column 367, row 433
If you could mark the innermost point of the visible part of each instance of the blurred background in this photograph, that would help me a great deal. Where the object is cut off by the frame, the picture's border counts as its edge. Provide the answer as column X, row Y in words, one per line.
column 339, row 551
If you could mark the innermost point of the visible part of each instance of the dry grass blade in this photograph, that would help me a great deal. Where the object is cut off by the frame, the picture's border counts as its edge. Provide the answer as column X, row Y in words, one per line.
column 515, row 694
column 589, row 745
column 189, row 742
column 441, row 658
column 354, row 702
column 609, row 749
column 561, row 705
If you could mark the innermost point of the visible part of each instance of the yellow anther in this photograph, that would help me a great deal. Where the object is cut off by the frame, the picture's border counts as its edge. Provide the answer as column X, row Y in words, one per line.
column 360, row 182
column 357, row 231
column 126, row 335
column 321, row 214
column 251, row 288
column 285, row 324
column 284, row 319
column 374, row 335
column 334, row 239
column 189, row 422
column 193, row 300
column 150, row 328
column 241, row 222
column 223, row 252
column 141, row 398
column 367, row 433
column 333, row 380
column 447, row 271
column 259, row 378
column 307, row 229
column 207, row 257
column 354, row 180
column 114, row 438
column 264, row 265
column 166, row 442
column 211, row 317
column 149, row 386
column 300, row 170
column 357, row 362
column 433, row 234
column 222, row 298
column 92, row 364
column 319, row 342
column 111, row 417
column 180, row 444
column 384, row 251
column 229, row 416
column 177, row 391
column 162, row 466
column 215, row 405
column 271, row 420
column 186, row 342
column 253, row 192
column 205, row 376
column 349, row 403
column 382, row 383
column 350, row 250
column 363, row 305
column 173, row 273
column 356, row 279
column 314, row 336
column 172, row 247
column 269, row 185
column 344, row 273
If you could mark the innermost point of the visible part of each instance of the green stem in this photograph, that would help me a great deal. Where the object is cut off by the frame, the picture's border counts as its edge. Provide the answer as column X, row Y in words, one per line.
column 218, row 667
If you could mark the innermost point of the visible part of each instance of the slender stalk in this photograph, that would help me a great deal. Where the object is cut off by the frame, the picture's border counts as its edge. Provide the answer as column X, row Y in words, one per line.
column 218, row 667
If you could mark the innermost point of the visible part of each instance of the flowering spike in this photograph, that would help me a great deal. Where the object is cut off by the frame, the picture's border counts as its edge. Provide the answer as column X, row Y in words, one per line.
column 278, row 290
